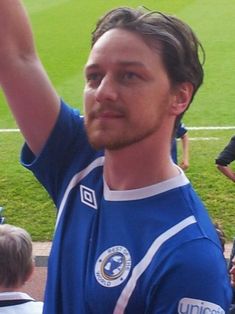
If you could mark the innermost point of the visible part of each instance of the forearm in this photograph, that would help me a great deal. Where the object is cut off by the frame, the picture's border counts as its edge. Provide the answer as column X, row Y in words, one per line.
column 185, row 152
column 227, row 171
column 185, row 144
column 16, row 39
column 28, row 90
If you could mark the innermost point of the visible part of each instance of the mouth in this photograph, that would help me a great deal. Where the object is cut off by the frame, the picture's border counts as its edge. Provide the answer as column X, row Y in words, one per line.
column 106, row 114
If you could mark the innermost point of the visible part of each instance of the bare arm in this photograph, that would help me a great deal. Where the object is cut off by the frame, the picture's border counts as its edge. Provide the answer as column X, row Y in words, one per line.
column 227, row 171
column 30, row 95
column 232, row 273
column 185, row 152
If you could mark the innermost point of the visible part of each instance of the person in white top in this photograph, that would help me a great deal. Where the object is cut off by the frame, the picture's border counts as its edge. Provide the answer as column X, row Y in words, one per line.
column 16, row 267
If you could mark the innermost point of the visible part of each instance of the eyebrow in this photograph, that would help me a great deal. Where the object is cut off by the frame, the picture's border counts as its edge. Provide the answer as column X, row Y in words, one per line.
column 120, row 63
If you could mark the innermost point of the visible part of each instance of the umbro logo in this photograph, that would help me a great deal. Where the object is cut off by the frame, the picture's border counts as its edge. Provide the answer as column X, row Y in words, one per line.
column 88, row 196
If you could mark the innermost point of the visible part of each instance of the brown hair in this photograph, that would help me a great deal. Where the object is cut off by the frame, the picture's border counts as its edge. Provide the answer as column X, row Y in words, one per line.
column 172, row 38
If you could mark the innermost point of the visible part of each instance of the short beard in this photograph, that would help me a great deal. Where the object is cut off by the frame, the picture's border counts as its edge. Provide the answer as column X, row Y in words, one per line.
column 123, row 141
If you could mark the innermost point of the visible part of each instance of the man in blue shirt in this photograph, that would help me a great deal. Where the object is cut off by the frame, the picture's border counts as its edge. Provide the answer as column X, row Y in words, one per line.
column 131, row 234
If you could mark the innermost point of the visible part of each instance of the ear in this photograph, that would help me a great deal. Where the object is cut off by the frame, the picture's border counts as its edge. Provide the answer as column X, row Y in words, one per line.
column 182, row 97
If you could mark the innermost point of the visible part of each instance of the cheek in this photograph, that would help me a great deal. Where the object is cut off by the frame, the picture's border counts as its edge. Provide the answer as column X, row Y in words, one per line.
column 88, row 99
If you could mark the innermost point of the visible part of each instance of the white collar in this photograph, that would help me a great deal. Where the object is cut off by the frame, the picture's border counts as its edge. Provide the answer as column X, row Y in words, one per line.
column 15, row 295
column 148, row 191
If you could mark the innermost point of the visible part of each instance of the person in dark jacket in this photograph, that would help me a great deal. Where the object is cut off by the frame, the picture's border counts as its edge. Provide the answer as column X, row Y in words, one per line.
column 225, row 158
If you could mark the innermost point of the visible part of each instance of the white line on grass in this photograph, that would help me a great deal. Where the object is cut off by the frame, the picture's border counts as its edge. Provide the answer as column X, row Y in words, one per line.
column 203, row 138
column 191, row 138
column 9, row 130
column 189, row 128
column 211, row 127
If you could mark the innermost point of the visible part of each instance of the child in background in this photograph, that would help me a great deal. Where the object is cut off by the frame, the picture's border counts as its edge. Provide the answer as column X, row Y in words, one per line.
column 182, row 134
column 16, row 267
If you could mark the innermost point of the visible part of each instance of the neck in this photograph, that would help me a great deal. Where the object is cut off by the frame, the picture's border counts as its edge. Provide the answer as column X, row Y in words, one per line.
column 139, row 165
column 12, row 289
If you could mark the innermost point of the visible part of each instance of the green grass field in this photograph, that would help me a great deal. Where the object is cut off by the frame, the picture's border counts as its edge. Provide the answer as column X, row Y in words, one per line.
column 62, row 33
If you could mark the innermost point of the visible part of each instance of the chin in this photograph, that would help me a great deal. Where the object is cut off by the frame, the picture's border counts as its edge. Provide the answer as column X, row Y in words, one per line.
column 99, row 144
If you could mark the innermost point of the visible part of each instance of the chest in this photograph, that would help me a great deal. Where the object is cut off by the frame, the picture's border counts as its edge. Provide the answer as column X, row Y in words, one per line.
column 102, row 247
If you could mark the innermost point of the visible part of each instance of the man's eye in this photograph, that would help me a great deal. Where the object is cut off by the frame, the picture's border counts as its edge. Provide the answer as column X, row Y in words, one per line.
column 130, row 76
column 93, row 77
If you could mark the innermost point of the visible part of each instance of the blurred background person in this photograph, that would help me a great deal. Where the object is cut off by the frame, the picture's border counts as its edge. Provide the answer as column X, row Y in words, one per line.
column 225, row 158
column 181, row 134
column 16, row 267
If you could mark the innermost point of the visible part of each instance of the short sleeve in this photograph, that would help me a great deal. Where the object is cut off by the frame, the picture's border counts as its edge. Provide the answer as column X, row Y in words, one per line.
column 195, row 278
column 227, row 155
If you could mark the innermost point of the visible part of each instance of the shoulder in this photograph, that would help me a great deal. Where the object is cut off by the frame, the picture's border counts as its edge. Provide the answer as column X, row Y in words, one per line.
column 200, row 252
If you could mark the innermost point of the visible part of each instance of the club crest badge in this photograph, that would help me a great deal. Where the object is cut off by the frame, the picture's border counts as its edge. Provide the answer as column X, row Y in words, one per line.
column 113, row 266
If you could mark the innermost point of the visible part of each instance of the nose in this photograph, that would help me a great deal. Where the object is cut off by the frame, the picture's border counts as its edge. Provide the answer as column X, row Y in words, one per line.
column 107, row 90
